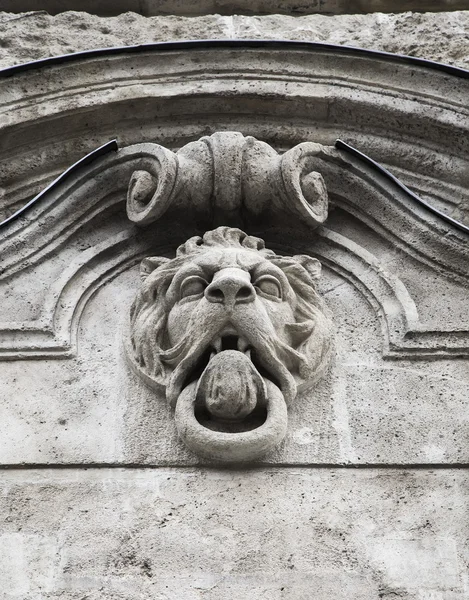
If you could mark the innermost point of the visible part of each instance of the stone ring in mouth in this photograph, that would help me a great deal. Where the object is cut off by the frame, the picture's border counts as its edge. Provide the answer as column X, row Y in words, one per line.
column 232, row 447
column 230, row 408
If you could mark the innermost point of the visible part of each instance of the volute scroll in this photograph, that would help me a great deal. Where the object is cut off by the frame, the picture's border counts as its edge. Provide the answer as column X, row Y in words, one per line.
column 229, row 179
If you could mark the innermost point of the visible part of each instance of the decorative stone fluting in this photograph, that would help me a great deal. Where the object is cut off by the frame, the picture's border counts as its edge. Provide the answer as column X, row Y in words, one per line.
column 228, row 178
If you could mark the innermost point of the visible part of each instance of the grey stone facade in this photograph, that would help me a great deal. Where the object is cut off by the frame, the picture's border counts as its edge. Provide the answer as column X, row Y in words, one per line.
column 104, row 494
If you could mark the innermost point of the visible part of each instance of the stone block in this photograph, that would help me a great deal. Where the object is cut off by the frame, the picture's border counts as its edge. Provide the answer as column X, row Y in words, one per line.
column 273, row 533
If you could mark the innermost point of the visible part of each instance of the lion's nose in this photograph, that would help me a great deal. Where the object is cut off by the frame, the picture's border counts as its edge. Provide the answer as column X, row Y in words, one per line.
column 230, row 286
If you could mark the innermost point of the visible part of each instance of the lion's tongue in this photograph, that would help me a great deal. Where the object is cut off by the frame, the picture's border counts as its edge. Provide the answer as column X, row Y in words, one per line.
column 267, row 359
column 230, row 386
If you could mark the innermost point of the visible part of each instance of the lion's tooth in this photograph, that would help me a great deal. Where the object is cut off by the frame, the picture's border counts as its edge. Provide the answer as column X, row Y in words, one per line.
column 242, row 344
column 248, row 353
column 217, row 345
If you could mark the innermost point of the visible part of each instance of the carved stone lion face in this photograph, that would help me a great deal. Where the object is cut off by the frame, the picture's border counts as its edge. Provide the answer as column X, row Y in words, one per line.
column 230, row 330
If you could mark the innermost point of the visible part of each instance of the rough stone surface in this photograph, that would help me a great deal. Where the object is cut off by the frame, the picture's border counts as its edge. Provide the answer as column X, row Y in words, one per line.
column 211, row 535
column 441, row 37
column 230, row 7
column 397, row 388
column 288, row 94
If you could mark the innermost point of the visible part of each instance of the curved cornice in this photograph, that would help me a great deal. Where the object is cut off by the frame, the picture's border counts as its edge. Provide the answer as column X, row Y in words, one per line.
column 244, row 43
column 410, row 114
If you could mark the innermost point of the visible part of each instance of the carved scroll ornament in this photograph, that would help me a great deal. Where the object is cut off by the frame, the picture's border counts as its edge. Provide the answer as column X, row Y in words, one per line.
column 229, row 179
column 231, row 331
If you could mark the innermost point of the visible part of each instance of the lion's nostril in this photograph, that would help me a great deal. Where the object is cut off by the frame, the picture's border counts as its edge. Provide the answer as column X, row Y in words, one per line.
column 214, row 294
column 245, row 292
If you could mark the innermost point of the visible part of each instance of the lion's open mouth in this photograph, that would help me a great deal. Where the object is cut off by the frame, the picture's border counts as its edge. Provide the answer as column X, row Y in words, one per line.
column 222, row 343
column 230, row 342
column 230, row 392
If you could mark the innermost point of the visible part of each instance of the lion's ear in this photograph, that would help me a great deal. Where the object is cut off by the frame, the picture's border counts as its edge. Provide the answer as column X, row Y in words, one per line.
column 312, row 265
column 148, row 265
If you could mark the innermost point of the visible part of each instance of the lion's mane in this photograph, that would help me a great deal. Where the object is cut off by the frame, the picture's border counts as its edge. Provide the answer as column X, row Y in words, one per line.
column 311, row 332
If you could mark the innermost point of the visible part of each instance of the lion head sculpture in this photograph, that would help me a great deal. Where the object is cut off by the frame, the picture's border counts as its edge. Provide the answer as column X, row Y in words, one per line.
column 231, row 331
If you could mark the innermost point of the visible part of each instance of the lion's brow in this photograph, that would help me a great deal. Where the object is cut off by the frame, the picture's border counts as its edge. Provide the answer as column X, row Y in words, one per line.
column 214, row 261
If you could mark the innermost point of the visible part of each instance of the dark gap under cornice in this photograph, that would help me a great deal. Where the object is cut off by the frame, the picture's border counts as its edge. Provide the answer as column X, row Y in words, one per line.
column 237, row 466
column 341, row 145
column 193, row 8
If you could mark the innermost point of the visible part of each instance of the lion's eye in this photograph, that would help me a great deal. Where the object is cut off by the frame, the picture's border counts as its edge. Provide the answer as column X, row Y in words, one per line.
column 193, row 286
column 270, row 286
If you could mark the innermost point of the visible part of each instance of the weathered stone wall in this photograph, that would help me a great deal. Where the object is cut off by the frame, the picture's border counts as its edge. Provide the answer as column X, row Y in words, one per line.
column 367, row 500
column 441, row 37
column 232, row 7
column 294, row 534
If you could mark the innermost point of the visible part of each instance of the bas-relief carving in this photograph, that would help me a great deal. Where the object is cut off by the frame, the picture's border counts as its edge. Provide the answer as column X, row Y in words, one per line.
column 231, row 331
column 230, row 179
column 80, row 203
column 228, row 328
